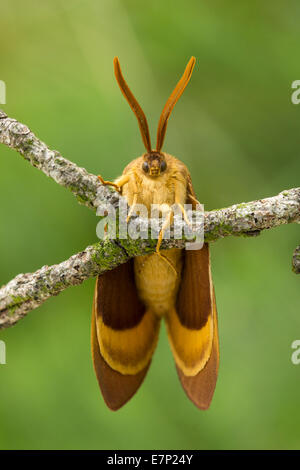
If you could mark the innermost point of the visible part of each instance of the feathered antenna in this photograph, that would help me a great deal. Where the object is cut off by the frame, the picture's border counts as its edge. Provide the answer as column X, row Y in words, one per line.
column 172, row 100
column 142, row 120
column 166, row 112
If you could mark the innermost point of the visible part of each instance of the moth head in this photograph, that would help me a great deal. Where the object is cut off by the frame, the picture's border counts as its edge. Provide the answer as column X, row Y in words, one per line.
column 154, row 162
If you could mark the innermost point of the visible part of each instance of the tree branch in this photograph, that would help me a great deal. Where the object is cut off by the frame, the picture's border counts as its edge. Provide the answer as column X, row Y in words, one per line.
column 296, row 260
column 27, row 291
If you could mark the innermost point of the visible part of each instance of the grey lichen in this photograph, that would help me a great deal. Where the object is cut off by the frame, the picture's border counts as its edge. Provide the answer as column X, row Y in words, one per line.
column 248, row 219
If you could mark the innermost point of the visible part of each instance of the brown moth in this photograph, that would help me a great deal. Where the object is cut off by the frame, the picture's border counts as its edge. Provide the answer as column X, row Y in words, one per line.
column 176, row 284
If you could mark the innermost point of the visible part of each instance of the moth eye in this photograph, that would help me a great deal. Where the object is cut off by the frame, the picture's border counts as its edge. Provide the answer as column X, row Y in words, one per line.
column 145, row 167
column 163, row 165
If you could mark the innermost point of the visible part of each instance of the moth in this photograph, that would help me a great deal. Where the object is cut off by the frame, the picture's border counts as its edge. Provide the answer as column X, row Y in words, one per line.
column 174, row 285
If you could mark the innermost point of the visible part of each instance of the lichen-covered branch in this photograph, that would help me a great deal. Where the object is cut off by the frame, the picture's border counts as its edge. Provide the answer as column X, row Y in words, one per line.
column 27, row 291
column 296, row 260
column 250, row 218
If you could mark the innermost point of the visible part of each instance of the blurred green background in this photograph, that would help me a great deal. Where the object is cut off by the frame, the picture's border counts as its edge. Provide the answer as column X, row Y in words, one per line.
column 238, row 132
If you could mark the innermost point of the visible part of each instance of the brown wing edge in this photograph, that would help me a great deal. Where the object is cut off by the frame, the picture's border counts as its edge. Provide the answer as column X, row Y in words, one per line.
column 200, row 388
column 116, row 388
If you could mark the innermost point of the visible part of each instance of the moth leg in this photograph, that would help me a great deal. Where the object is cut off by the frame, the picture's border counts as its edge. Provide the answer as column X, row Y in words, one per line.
column 166, row 224
column 184, row 214
column 109, row 183
column 180, row 197
column 118, row 184
column 122, row 180
column 132, row 207
column 136, row 191
column 193, row 199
